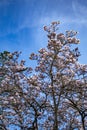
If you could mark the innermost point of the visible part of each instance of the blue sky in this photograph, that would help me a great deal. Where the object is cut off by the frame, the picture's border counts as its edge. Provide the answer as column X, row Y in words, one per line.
column 22, row 21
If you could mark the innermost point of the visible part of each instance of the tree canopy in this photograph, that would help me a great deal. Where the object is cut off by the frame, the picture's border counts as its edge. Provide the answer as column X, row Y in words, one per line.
column 53, row 96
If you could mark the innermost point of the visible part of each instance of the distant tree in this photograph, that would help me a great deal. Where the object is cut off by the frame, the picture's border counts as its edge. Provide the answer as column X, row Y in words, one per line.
column 51, row 97
column 20, row 101
column 11, row 76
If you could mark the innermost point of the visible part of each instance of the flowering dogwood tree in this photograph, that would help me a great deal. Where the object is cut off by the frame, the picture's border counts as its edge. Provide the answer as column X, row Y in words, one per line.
column 53, row 96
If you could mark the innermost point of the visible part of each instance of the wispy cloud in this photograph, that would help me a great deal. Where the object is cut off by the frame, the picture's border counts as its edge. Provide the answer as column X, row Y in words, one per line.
column 22, row 14
column 45, row 17
column 80, row 11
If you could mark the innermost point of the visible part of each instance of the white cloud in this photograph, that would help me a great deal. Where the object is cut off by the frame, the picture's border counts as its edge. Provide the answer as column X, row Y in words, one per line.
column 33, row 18
column 80, row 11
